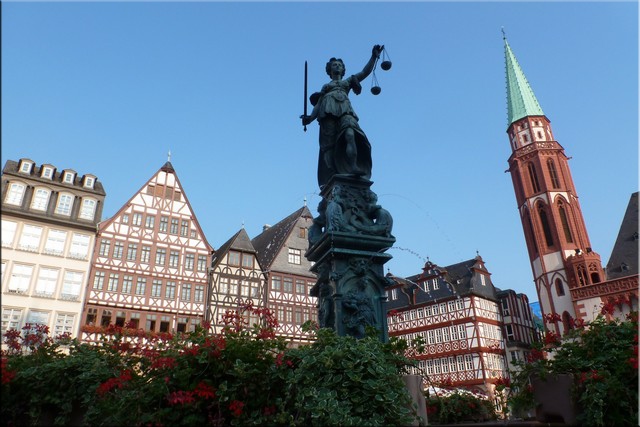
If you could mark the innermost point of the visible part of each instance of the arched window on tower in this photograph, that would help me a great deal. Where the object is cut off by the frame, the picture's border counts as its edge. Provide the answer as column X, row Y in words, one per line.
column 593, row 272
column 553, row 174
column 533, row 176
column 546, row 227
column 565, row 222
column 567, row 322
column 582, row 275
column 532, row 235
column 559, row 287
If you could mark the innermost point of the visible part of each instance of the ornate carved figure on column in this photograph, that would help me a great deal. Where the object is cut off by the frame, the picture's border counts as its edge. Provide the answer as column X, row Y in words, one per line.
column 359, row 310
column 344, row 147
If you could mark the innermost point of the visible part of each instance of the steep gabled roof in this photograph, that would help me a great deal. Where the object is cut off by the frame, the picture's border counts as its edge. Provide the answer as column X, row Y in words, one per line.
column 624, row 256
column 521, row 101
column 168, row 168
column 239, row 242
column 269, row 243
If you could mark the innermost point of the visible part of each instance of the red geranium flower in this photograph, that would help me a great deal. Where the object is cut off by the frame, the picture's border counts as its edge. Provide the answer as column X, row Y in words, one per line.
column 181, row 397
column 205, row 391
column 236, row 407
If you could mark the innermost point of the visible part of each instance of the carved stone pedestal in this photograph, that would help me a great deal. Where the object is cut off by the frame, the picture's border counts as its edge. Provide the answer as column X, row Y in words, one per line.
column 347, row 243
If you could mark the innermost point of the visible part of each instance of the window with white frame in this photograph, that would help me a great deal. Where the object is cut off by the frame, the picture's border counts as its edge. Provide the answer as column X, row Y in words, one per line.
column 88, row 182
column 445, row 365
column 68, row 177
column 462, row 331
column 8, row 232
column 460, row 361
column 25, row 167
column 47, row 172
column 47, row 281
column 451, row 306
column 79, row 245
column 437, row 364
column 112, row 285
column 137, row 219
column 20, row 278
column 394, row 294
column 127, row 284
column 452, row 364
column 64, row 324
column 36, row 317
column 436, row 285
column 40, row 199
column 71, row 285
column 11, row 319
column 56, row 240
column 445, row 334
column 65, row 203
column 30, row 238
column 443, row 308
column 454, row 333
column 429, row 367
column 505, row 307
column 15, row 194
column 427, row 311
column 459, row 304
column 510, row 335
column 438, row 335
column 294, row 256
column 468, row 361
column 483, row 280
column 88, row 208
column 141, row 286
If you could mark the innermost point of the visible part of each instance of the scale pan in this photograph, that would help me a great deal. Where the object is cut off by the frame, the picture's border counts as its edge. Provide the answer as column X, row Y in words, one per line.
column 385, row 65
column 376, row 90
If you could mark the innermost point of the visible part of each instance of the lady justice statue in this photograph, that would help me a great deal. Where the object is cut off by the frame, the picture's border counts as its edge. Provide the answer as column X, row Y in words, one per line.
column 344, row 148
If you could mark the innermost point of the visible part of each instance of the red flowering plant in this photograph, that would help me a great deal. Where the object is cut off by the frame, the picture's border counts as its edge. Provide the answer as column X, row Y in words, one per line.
column 602, row 358
column 199, row 377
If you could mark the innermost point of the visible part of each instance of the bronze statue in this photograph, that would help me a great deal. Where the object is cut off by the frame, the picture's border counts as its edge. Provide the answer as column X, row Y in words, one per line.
column 344, row 147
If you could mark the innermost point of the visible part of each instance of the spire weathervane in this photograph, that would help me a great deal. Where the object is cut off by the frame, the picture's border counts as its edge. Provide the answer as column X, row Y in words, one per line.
column 169, row 156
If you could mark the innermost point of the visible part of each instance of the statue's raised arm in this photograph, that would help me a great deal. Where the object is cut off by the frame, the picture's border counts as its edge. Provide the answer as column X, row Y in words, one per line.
column 368, row 68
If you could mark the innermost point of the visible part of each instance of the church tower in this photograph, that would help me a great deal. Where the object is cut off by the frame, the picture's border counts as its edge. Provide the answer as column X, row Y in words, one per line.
column 559, row 249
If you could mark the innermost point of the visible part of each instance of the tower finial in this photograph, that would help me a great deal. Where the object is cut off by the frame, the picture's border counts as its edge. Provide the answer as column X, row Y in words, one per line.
column 169, row 156
column 504, row 36
column 305, row 200
column 243, row 223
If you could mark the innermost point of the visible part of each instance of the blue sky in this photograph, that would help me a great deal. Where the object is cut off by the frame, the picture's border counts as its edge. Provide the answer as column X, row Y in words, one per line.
column 109, row 88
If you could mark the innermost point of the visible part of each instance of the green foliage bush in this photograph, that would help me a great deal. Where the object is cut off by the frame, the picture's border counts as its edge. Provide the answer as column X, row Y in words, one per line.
column 459, row 407
column 244, row 376
column 603, row 359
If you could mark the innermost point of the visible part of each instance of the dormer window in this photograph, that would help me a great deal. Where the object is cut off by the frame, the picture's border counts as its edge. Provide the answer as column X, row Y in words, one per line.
column 47, row 172
column 25, row 166
column 65, row 203
column 88, row 209
column 15, row 194
column 89, row 181
column 68, row 177
column 40, row 199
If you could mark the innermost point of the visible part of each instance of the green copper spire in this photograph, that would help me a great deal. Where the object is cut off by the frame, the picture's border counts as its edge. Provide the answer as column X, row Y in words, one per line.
column 521, row 101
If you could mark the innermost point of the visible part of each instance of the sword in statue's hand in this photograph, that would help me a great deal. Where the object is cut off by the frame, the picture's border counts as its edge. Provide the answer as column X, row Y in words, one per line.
column 305, row 94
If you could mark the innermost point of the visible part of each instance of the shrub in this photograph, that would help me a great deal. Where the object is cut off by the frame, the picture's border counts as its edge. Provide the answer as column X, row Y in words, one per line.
column 603, row 358
column 458, row 406
column 244, row 376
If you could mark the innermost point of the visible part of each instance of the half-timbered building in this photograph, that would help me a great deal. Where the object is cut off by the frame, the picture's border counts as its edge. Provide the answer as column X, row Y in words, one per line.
column 519, row 329
column 280, row 251
column 149, row 266
column 49, row 220
column 236, row 280
column 455, row 311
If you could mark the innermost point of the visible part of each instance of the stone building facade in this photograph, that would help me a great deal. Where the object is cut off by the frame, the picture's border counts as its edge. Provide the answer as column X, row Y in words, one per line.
column 49, row 220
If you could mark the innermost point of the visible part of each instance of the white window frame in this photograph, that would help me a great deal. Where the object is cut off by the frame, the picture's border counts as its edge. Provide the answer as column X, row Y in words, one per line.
column 47, row 282
column 47, row 172
column 88, row 182
column 20, row 281
column 71, row 285
column 9, row 229
column 295, row 256
column 30, row 237
column 61, row 207
column 79, row 249
column 26, row 169
column 394, row 294
column 8, row 320
column 88, row 208
column 52, row 245
column 68, row 177
column 31, row 314
column 40, row 200
column 15, row 193
column 64, row 324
